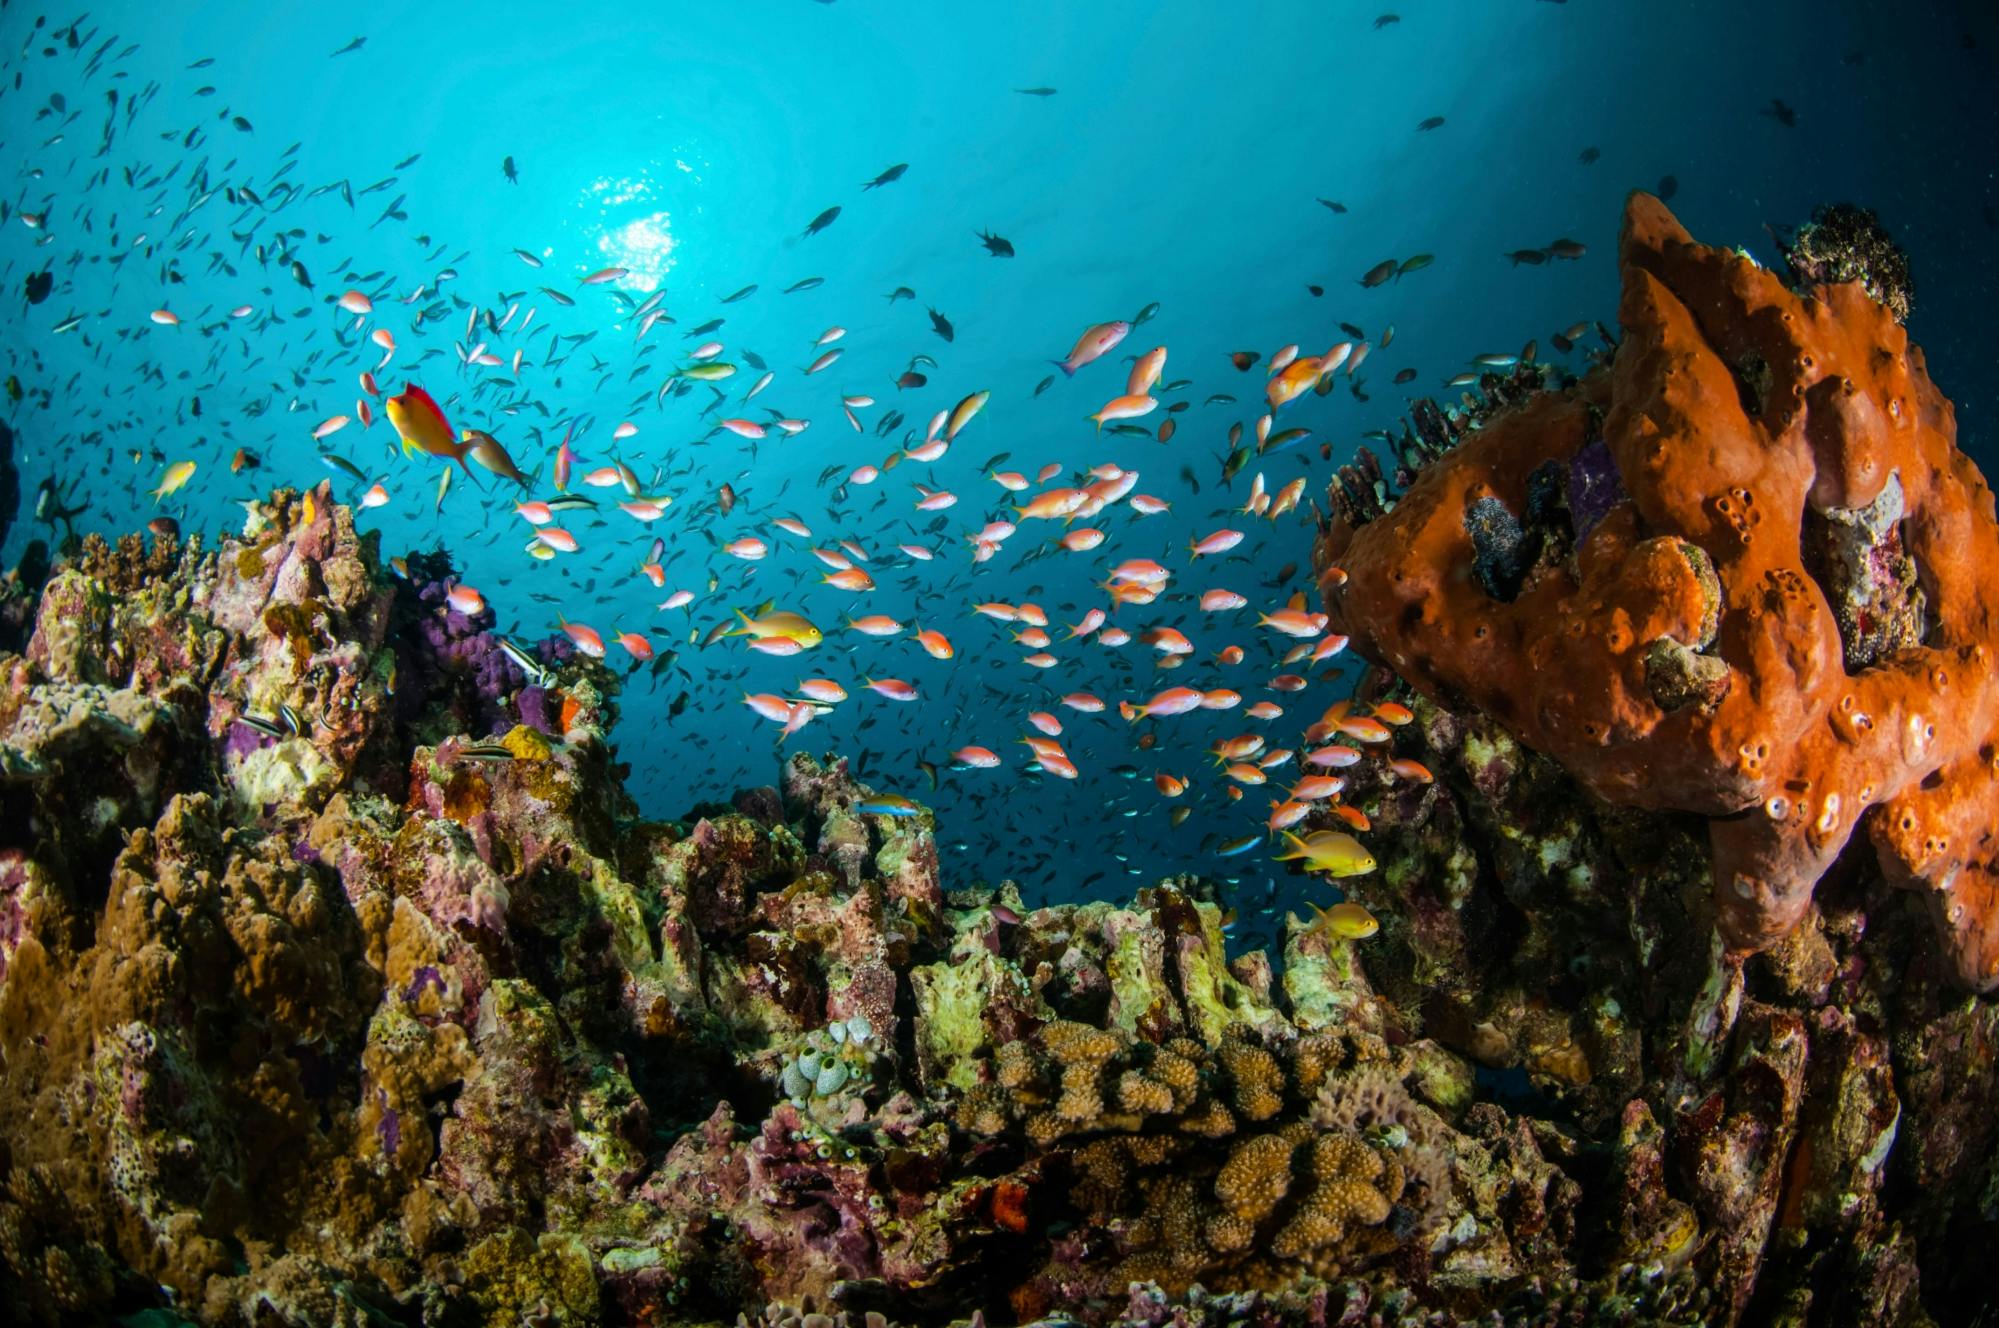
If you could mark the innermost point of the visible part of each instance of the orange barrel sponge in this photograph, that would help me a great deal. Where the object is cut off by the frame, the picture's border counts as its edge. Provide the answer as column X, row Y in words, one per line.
column 1741, row 570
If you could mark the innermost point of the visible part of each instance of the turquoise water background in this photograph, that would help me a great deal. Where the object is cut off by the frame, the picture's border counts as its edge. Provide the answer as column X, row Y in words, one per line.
column 1180, row 161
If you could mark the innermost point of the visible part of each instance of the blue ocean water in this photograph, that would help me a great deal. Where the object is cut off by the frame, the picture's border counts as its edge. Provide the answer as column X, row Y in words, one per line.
column 1185, row 158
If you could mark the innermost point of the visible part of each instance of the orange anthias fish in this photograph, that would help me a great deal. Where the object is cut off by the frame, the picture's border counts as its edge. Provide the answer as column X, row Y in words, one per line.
column 1124, row 408
column 420, row 422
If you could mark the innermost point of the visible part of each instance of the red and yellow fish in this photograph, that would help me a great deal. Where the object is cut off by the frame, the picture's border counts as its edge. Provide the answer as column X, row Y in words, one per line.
column 419, row 421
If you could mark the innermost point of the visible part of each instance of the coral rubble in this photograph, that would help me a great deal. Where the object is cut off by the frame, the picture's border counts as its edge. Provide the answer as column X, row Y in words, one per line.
column 341, row 983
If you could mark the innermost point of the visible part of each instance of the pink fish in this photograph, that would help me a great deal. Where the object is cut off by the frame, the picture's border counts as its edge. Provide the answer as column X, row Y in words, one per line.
column 773, row 708
column 1095, row 342
column 587, row 640
column 1219, row 542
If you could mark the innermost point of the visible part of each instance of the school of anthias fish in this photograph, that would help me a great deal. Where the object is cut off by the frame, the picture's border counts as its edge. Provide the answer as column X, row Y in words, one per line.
column 655, row 481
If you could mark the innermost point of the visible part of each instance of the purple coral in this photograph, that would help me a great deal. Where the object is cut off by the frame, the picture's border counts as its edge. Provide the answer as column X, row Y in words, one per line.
column 535, row 711
column 1594, row 486
column 458, row 654
column 390, row 1127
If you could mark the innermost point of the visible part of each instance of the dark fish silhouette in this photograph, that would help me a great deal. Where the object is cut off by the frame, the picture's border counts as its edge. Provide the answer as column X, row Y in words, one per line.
column 1035, row 92
column 354, row 45
column 942, row 326
column 889, row 176
column 806, row 284
column 1333, row 206
column 1531, row 257
column 742, row 294
column 507, row 169
column 823, row 220
column 996, row 245
column 1385, row 20
column 1782, row 114
column 1380, row 272
column 1588, row 155
column 1668, row 186
column 901, row 293
column 1434, row 122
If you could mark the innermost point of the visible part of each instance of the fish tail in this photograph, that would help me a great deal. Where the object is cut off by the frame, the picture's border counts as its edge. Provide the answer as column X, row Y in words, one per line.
column 1063, row 365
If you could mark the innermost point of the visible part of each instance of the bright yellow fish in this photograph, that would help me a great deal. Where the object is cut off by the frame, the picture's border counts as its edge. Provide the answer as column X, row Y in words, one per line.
column 1334, row 852
column 420, row 423
column 1346, row 920
column 962, row 413
column 782, row 625
column 177, row 474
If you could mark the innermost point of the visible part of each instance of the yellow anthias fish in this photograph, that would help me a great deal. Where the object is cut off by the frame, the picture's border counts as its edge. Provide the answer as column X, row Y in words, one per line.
column 962, row 413
column 1346, row 920
column 782, row 625
column 1334, row 852
column 177, row 474
column 420, row 423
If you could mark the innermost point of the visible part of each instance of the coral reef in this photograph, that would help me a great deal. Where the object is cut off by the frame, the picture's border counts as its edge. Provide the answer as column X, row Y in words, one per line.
column 1745, row 581
column 1846, row 243
column 341, row 983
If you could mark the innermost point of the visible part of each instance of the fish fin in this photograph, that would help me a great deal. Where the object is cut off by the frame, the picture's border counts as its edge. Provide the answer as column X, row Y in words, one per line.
column 1063, row 365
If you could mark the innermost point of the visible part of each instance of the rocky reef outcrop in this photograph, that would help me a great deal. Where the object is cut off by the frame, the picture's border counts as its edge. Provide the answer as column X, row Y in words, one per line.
column 340, row 983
